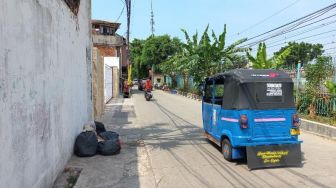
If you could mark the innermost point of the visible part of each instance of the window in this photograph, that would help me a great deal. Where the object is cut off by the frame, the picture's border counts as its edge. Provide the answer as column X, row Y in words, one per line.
column 101, row 28
column 219, row 90
column 104, row 30
column 208, row 93
column 219, row 93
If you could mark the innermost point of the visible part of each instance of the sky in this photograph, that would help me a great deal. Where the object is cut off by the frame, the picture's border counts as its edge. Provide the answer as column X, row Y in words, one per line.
column 247, row 17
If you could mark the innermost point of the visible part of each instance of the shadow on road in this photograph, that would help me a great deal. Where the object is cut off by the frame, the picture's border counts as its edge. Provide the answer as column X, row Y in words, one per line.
column 169, row 136
column 190, row 134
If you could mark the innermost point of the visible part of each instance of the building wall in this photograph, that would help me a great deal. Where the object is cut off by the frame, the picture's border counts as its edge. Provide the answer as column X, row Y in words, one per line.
column 158, row 76
column 116, row 82
column 45, row 88
column 106, row 51
column 98, row 84
column 107, row 40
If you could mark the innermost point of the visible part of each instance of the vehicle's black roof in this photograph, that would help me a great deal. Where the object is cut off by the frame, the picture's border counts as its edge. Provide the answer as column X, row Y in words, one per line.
column 255, row 75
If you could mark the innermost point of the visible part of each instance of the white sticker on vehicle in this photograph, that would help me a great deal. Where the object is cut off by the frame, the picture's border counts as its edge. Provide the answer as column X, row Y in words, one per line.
column 214, row 117
column 273, row 89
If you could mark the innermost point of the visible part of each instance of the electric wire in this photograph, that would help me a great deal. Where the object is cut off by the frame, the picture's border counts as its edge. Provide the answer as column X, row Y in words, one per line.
column 303, row 32
column 122, row 11
column 291, row 26
column 305, row 37
column 265, row 19
column 299, row 19
column 282, row 32
column 330, row 48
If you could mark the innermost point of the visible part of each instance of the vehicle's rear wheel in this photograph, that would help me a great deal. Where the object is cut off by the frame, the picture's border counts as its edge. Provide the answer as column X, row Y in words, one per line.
column 227, row 149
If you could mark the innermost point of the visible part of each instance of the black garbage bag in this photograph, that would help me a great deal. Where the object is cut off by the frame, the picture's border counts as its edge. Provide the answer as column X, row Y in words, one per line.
column 86, row 144
column 109, row 135
column 99, row 127
column 109, row 147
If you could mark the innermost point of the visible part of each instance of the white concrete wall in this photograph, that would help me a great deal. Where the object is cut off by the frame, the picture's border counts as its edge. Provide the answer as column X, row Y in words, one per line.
column 108, row 82
column 112, row 61
column 45, row 88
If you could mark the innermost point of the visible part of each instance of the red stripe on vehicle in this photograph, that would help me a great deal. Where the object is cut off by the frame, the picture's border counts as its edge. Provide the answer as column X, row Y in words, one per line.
column 269, row 119
column 230, row 119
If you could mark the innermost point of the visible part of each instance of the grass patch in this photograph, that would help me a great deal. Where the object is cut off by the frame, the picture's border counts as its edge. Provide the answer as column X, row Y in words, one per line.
column 72, row 176
column 326, row 120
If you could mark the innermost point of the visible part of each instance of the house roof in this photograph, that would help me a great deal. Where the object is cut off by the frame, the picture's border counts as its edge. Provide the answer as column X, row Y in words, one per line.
column 106, row 23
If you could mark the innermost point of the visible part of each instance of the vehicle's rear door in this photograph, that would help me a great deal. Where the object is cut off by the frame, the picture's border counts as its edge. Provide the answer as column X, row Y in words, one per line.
column 271, row 124
column 217, row 107
column 272, row 118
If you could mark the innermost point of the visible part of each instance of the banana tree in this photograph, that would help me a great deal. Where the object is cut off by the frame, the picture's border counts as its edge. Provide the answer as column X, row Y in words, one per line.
column 262, row 62
column 331, row 86
column 207, row 56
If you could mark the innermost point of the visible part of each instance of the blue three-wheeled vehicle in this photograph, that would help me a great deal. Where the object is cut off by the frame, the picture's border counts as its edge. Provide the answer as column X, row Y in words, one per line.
column 251, row 114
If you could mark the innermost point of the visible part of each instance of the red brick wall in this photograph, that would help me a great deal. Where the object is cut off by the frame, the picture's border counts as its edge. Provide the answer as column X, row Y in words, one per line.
column 107, row 51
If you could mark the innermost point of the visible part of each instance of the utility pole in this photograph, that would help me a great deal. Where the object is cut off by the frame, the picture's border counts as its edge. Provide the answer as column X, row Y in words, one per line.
column 129, row 66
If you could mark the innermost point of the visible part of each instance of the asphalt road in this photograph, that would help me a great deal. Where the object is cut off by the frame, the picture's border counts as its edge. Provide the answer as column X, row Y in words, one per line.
column 178, row 155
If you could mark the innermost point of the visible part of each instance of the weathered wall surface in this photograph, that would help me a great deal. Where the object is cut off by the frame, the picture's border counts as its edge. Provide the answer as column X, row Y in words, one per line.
column 116, row 83
column 45, row 88
column 97, row 84
column 107, row 51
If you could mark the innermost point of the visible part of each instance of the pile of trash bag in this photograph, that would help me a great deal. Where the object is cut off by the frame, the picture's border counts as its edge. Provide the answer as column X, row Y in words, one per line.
column 95, row 139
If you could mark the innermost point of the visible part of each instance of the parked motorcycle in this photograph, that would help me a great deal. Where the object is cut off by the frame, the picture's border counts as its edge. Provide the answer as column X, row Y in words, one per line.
column 157, row 86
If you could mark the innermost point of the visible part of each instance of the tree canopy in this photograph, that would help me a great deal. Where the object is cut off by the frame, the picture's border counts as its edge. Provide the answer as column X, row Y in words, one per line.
column 136, row 49
column 152, row 51
column 301, row 52
column 318, row 72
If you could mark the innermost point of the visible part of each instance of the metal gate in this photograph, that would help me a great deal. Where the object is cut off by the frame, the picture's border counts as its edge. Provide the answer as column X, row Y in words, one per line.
column 108, row 80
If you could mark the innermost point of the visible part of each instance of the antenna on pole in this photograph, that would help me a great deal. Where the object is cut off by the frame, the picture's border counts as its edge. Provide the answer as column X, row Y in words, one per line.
column 152, row 19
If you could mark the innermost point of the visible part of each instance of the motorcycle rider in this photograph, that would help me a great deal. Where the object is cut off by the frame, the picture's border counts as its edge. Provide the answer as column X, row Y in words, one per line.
column 148, row 85
column 126, row 89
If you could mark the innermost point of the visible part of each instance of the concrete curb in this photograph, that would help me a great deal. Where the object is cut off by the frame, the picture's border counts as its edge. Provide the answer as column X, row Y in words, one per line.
column 319, row 129
column 186, row 95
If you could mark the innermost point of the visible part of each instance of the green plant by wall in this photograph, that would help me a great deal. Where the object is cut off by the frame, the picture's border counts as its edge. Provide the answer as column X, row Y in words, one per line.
column 316, row 74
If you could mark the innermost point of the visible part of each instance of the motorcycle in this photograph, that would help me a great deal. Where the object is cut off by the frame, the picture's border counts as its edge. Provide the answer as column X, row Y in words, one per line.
column 157, row 86
column 148, row 95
